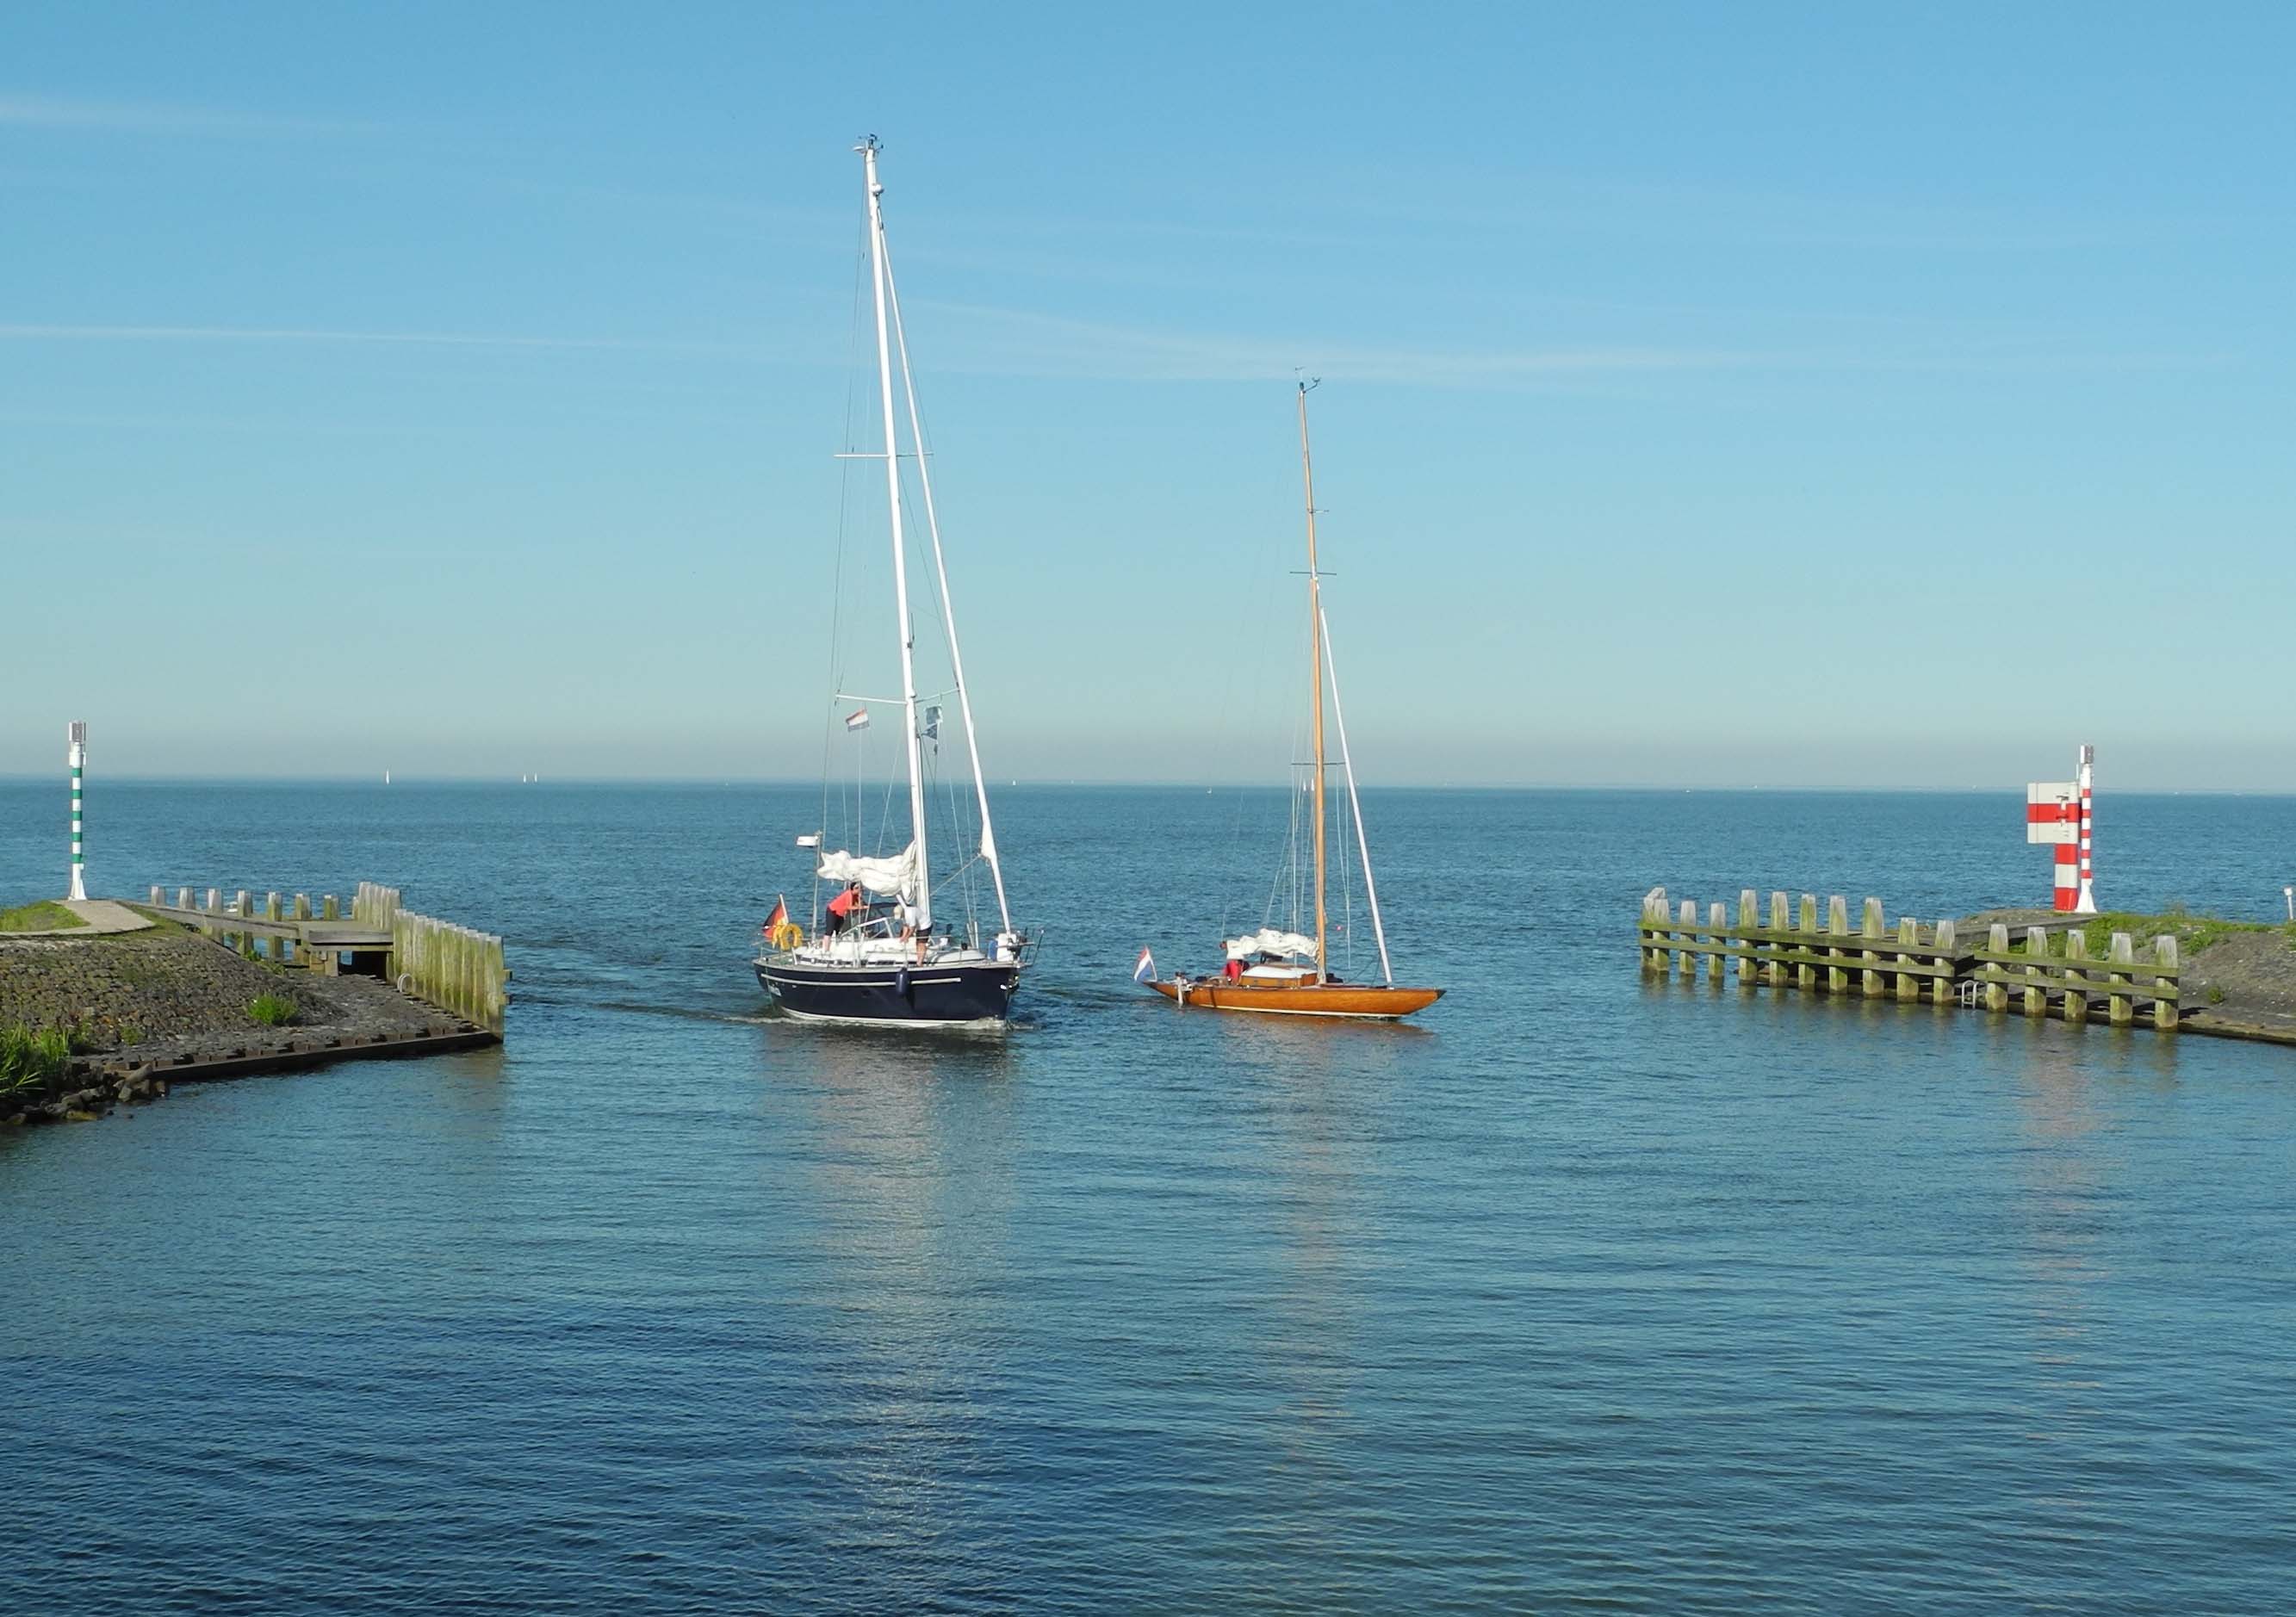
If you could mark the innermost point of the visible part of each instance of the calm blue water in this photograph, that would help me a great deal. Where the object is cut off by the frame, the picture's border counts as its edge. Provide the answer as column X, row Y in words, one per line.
column 1584, row 1292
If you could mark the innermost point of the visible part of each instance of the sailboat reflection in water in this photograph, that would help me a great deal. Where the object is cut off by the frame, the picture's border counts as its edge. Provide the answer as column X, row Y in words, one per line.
column 1284, row 972
column 884, row 955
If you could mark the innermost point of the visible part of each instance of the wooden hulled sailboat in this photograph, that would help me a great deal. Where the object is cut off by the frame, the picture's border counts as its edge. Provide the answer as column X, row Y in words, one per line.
column 890, row 958
column 1264, row 970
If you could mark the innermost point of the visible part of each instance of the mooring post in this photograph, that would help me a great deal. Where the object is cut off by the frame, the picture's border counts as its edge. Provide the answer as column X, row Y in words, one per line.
column 1806, row 974
column 271, row 906
column 1872, row 928
column 1718, row 922
column 302, row 906
column 1653, row 905
column 1749, row 921
column 1775, row 974
column 215, row 902
column 330, row 909
column 1997, row 992
column 2164, row 1008
column 2037, row 955
column 1909, row 938
column 158, row 901
column 183, row 898
column 1941, row 987
column 2077, row 975
column 1837, row 923
column 1687, row 960
column 2120, row 987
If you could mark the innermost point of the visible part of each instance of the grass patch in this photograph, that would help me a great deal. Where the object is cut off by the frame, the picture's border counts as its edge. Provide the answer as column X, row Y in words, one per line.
column 46, row 916
column 2193, row 933
column 273, row 1011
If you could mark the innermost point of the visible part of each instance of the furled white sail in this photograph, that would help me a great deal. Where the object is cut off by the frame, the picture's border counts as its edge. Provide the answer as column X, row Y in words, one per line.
column 897, row 875
column 1268, row 941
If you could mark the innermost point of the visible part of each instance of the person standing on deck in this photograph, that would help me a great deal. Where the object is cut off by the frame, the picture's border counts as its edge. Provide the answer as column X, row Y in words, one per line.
column 841, row 908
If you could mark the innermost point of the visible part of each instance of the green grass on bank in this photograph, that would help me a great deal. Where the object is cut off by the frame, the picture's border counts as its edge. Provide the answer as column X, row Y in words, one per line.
column 46, row 916
column 2193, row 933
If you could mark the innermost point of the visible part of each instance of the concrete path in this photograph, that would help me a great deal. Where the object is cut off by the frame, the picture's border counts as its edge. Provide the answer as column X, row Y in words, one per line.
column 102, row 915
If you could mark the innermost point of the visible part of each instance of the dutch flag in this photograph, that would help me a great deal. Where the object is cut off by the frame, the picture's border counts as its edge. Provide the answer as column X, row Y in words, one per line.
column 1146, row 971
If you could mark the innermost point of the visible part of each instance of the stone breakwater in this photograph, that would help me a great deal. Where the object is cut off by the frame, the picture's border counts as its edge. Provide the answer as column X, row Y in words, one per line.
column 144, row 1008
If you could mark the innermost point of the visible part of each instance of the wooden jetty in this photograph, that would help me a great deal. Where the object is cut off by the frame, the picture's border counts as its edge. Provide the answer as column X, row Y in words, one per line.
column 2047, row 971
column 450, row 966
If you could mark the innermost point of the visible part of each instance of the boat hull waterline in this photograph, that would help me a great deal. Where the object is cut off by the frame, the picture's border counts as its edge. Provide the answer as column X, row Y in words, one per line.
column 1364, row 1002
column 927, row 995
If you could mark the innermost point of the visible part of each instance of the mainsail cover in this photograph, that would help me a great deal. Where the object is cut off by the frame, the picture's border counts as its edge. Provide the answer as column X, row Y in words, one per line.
column 897, row 875
column 1268, row 941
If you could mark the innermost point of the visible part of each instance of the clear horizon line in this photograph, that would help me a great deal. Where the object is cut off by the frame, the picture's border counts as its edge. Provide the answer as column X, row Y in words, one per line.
column 723, row 782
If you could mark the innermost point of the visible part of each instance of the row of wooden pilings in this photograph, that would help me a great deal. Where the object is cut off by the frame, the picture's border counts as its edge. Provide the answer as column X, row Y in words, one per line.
column 454, row 967
column 2048, row 970
column 271, row 941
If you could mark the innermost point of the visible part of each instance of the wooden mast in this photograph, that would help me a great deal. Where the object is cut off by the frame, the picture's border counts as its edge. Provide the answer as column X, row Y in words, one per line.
column 1315, row 671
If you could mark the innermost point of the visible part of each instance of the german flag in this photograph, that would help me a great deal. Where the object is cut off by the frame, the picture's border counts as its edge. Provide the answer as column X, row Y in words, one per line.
column 780, row 915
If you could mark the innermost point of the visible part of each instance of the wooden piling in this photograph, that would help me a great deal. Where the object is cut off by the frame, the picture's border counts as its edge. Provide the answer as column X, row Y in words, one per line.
column 2076, row 957
column 1909, row 937
column 1871, row 929
column 2164, row 1008
column 1948, row 945
column 1777, row 975
column 454, row 967
column 1997, row 992
column 2119, row 1002
column 2037, row 954
column 330, row 910
column 1837, row 924
column 1806, row 974
column 1685, row 960
column 1749, row 921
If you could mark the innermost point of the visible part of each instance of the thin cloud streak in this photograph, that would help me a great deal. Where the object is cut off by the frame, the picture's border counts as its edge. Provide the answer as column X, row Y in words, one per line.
column 1013, row 341
column 1003, row 341
column 159, row 118
column 293, row 334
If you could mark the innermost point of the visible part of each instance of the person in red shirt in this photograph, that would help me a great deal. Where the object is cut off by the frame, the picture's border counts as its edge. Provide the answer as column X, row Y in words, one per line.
column 841, row 908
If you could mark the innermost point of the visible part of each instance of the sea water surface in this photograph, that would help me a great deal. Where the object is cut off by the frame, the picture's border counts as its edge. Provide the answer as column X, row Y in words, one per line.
column 1585, row 1291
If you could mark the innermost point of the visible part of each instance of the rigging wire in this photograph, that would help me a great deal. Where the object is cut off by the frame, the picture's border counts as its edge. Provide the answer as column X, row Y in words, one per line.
column 849, row 829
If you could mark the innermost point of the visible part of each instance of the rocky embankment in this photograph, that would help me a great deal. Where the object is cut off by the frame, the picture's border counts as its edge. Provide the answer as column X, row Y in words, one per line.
column 141, row 1007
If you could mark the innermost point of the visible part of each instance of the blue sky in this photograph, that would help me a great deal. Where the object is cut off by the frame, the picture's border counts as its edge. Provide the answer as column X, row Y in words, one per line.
column 454, row 389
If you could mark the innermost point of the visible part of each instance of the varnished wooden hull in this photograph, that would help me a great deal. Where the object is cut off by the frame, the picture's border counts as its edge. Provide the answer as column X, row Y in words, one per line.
column 1305, row 999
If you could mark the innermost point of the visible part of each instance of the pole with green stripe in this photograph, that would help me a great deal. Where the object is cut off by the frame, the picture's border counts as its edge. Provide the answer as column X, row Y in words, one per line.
column 78, row 734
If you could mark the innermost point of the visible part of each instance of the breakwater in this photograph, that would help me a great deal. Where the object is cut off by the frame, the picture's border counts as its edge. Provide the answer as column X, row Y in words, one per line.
column 210, row 986
column 2041, row 970
column 452, row 966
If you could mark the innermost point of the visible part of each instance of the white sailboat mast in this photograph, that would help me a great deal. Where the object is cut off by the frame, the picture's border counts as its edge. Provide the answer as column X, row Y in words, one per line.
column 1316, row 666
column 1355, row 803
column 947, row 605
column 920, row 912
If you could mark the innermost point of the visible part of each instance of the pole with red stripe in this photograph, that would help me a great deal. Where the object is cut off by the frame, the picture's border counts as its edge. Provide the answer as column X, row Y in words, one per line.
column 2084, row 900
